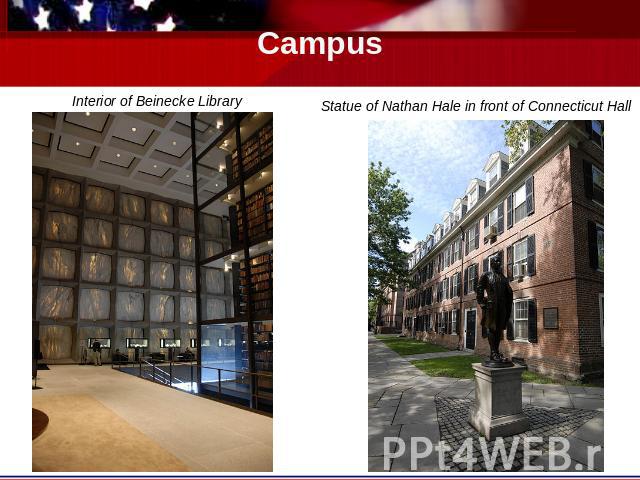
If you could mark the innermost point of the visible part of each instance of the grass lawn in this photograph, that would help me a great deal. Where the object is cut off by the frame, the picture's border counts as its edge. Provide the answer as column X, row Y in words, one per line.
column 409, row 346
column 460, row 367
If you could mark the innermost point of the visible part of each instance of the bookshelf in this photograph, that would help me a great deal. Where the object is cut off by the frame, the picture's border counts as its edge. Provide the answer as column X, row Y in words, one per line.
column 247, row 145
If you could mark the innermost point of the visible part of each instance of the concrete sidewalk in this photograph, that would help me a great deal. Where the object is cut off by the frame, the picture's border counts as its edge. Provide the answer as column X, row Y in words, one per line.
column 402, row 403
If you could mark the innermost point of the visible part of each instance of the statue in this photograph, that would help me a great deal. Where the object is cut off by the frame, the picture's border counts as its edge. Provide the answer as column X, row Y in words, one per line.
column 496, row 309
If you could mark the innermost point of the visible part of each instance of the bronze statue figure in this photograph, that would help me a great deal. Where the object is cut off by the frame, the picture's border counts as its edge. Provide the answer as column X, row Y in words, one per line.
column 496, row 308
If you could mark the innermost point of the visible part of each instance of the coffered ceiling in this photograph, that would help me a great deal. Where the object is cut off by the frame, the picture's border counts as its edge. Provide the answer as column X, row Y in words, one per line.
column 144, row 151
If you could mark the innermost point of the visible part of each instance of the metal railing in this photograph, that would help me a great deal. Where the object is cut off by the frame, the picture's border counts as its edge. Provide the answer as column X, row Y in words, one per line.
column 238, row 386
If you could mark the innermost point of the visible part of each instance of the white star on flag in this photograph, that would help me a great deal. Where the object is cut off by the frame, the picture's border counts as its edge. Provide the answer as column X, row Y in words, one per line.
column 167, row 26
column 142, row 3
column 84, row 11
column 42, row 19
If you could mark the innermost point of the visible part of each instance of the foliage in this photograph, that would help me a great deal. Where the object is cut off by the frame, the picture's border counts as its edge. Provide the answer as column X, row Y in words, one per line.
column 409, row 346
column 515, row 134
column 459, row 366
column 388, row 211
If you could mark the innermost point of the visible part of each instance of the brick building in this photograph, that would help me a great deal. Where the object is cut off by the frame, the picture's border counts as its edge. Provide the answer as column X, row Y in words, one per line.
column 390, row 315
column 544, row 213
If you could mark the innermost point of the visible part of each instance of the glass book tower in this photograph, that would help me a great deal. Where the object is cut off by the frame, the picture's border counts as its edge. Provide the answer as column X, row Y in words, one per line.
column 235, row 320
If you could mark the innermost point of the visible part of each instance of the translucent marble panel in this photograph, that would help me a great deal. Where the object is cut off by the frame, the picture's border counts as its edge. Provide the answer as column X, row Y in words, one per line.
column 99, row 200
column 186, row 334
column 212, row 225
column 55, row 342
column 121, row 340
column 188, row 278
column 34, row 260
column 61, row 227
column 94, row 304
column 131, row 272
column 214, row 280
column 98, row 233
column 185, row 218
column 131, row 238
column 64, row 192
column 132, row 206
column 130, row 306
column 35, row 222
column 162, row 275
column 37, row 187
column 58, row 263
column 211, row 248
column 161, row 308
column 188, row 310
column 161, row 213
column 186, row 245
column 155, row 336
column 56, row 302
column 215, row 309
column 96, row 267
column 161, row 243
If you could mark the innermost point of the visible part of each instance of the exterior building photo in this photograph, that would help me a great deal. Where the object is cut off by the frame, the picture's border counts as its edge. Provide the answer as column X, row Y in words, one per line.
column 543, row 212
column 152, row 280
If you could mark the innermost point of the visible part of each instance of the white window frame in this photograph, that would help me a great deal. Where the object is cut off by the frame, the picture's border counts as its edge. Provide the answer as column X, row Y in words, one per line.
column 456, row 251
column 599, row 228
column 472, row 238
column 469, row 283
column 472, row 197
column 454, row 322
column 525, row 320
column 494, row 210
column 523, row 204
column 495, row 166
column 521, row 261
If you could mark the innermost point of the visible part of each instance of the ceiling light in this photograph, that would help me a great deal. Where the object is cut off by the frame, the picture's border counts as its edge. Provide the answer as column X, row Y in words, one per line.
column 155, row 166
column 118, row 155
column 77, row 144
column 188, row 176
column 173, row 143
column 133, row 129
column 88, row 114
column 216, row 184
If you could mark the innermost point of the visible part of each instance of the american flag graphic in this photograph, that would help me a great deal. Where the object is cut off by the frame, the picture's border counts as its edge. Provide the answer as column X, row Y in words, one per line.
column 318, row 15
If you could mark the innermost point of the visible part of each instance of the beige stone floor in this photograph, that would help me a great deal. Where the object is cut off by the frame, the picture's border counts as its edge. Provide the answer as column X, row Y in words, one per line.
column 184, row 431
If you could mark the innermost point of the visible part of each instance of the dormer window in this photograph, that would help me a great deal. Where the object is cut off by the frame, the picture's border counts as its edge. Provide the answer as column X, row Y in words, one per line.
column 472, row 197
column 492, row 175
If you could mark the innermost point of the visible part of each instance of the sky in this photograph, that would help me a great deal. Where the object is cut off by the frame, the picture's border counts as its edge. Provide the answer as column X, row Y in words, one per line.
column 434, row 161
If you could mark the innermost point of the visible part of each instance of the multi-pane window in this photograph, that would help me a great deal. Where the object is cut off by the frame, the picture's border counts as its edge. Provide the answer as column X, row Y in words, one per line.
column 472, row 197
column 455, row 285
column 492, row 175
column 519, row 204
column 456, row 251
column 447, row 257
column 472, row 271
column 472, row 237
column 596, row 131
column 493, row 217
column 454, row 322
column 521, row 319
column 598, row 183
column 600, row 245
column 520, row 258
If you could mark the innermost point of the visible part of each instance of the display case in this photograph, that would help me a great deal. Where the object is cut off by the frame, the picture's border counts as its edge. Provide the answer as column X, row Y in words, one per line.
column 104, row 342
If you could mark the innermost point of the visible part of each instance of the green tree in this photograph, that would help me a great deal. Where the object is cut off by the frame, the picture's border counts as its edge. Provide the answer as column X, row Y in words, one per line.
column 516, row 131
column 388, row 212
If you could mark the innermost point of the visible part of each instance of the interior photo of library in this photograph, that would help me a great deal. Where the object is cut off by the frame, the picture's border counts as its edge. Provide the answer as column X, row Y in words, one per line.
column 152, row 280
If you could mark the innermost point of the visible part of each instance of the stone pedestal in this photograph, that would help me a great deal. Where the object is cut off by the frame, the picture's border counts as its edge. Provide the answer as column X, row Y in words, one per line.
column 497, row 411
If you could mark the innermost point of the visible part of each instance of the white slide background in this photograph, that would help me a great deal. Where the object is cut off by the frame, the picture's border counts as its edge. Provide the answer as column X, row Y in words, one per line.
column 320, row 415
